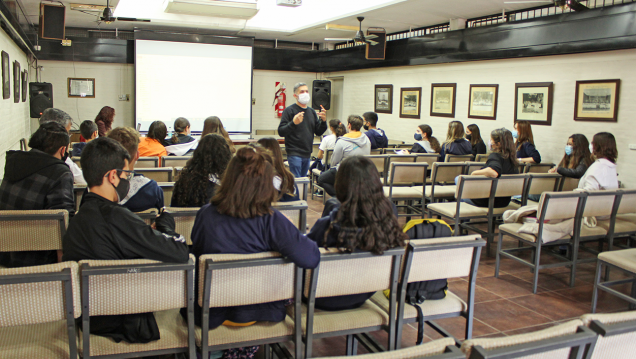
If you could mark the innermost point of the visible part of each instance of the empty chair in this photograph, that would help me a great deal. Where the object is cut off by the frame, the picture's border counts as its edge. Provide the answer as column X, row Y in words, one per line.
column 406, row 181
column 616, row 334
column 437, row 349
column 602, row 205
column 539, row 167
column 380, row 162
column 625, row 261
column 624, row 224
column 168, row 188
column 396, row 142
column 395, row 158
column 443, row 181
column 429, row 158
column 159, row 174
column 147, row 162
column 458, row 158
column 481, row 157
column 38, row 311
column 174, row 161
column 119, row 287
column 539, row 183
column 296, row 211
column 266, row 132
column 303, row 186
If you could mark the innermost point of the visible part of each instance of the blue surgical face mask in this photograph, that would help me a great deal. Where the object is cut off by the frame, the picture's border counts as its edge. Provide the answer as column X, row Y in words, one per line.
column 568, row 150
column 515, row 134
column 418, row 137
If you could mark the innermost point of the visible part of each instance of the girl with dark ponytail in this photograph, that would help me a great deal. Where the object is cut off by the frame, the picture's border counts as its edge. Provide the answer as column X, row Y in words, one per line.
column 181, row 132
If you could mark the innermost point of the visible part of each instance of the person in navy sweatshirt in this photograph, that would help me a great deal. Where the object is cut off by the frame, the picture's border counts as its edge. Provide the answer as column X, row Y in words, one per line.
column 376, row 136
column 240, row 219
column 375, row 226
column 526, row 152
column 455, row 143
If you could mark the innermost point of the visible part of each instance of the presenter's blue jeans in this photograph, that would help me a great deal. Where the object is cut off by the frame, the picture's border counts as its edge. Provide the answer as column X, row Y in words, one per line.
column 298, row 166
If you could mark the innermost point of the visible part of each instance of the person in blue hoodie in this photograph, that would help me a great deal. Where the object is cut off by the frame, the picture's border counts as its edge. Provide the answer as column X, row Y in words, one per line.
column 376, row 136
column 88, row 130
column 144, row 193
column 455, row 143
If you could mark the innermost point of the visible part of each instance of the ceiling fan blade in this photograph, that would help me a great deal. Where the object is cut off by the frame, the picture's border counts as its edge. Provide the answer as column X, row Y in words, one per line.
column 372, row 36
column 338, row 39
column 132, row 19
column 371, row 42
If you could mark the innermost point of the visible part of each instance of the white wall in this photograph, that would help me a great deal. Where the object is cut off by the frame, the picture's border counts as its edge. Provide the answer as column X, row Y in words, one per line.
column 14, row 117
column 563, row 70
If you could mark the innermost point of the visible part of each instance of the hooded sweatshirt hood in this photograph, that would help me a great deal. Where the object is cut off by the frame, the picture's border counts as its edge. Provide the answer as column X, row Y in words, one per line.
column 20, row 165
column 348, row 145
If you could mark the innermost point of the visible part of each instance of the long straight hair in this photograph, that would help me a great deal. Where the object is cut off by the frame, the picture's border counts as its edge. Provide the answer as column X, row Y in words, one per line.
column 475, row 134
column 604, row 145
column 287, row 178
column 213, row 124
column 505, row 145
column 580, row 152
column 455, row 132
column 426, row 129
column 524, row 131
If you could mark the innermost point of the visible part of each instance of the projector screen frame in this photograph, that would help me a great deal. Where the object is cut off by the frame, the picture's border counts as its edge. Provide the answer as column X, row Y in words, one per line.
column 196, row 39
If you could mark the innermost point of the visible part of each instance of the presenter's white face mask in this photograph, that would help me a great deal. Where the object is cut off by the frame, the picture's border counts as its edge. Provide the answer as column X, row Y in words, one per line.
column 303, row 98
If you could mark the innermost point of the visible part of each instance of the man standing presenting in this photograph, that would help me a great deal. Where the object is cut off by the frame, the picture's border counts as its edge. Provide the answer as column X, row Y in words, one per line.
column 299, row 124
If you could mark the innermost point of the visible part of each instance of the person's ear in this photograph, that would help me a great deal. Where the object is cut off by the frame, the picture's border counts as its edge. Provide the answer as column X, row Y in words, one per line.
column 95, row 135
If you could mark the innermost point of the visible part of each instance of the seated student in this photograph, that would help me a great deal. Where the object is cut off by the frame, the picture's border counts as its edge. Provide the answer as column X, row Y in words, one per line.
column 181, row 132
column 425, row 142
column 213, row 124
column 329, row 142
column 65, row 120
column 153, row 143
column 377, row 137
column 577, row 157
column 88, row 129
column 283, row 179
column 374, row 227
column 455, row 143
column 602, row 173
column 526, row 152
column 104, row 120
column 474, row 136
column 202, row 174
column 102, row 229
column 353, row 143
column 144, row 193
column 240, row 219
column 501, row 161
column 37, row 179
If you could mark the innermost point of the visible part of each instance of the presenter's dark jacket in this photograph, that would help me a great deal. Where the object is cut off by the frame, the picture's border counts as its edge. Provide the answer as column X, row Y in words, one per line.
column 300, row 138
column 526, row 150
column 103, row 229
column 214, row 233
column 34, row 180
column 460, row 146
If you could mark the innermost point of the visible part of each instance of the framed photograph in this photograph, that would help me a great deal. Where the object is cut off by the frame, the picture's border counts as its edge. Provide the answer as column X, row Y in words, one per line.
column 384, row 98
column 6, row 76
column 483, row 102
column 597, row 100
column 17, row 81
column 25, row 85
column 81, row 87
column 443, row 100
column 410, row 102
column 533, row 102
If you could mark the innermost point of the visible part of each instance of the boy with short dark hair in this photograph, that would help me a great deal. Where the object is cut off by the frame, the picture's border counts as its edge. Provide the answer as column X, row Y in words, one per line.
column 88, row 130
column 376, row 136
column 103, row 229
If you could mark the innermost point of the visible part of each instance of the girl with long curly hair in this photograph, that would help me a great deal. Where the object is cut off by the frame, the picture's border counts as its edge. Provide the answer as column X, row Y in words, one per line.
column 364, row 221
column 202, row 173
column 104, row 120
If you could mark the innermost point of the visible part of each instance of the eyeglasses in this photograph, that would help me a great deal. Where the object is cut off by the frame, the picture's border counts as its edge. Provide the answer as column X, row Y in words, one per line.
column 129, row 174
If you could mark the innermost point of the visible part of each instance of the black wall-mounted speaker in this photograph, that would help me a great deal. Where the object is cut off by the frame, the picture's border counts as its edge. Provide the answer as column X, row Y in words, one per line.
column 52, row 21
column 321, row 95
column 376, row 52
column 41, row 97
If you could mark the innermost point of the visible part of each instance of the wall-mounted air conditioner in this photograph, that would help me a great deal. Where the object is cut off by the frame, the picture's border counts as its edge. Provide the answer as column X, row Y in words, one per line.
column 239, row 9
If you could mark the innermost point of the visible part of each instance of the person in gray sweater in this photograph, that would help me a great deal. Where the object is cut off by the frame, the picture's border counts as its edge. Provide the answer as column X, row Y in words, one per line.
column 354, row 143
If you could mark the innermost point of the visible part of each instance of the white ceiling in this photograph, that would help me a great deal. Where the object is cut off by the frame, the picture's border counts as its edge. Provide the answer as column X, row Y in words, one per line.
column 394, row 18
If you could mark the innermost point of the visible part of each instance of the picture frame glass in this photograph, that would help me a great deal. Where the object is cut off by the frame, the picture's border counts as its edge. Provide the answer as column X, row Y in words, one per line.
column 597, row 100
column 443, row 98
column 410, row 103
column 384, row 98
column 81, row 87
column 483, row 101
column 6, row 76
column 532, row 103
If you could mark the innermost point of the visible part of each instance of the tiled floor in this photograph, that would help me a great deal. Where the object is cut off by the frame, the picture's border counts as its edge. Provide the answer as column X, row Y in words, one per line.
column 505, row 305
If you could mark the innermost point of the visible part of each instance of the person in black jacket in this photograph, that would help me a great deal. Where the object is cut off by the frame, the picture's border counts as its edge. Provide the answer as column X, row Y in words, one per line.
column 577, row 157
column 474, row 136
column 103, row 229
column 298, row 125
column 455, row 143
column 38, row 179
column 424, row 141
column 365, row 220
column 526, row 151
column 202, row 174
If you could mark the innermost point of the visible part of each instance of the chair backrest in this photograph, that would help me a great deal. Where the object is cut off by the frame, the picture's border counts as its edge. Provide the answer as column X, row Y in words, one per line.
column 569, row 184
column 184, row 220
column 174, row 161
column 176, row 171
column 600, row 203
column 458, row 158
column 148, row 215
column 564, row 341
column 437, row 349
column 78, row 192
column 328, row 154
column 296, row 211
column 628, row 202
column 403, row 145
column 76, row 160
column 377, row 151
column 24, row 144
column 616, row 334
column 445, row 173
column 302, row 183
column 147, row 162
column 408, row 173
column 36, row 230
column 543, row 182
column 511, row 185
column 315, row 147
column 429, row 158
column 539, row 167
column 473, row 166
column 474, row 187
column 481, row 157
column 395, row 142
column 559, row 205
column 168, row 188
column 379, row 161
column 266, row 132
column 159, row 174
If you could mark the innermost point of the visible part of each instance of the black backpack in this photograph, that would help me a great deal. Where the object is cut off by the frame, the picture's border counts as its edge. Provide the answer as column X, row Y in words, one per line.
column 418, row 292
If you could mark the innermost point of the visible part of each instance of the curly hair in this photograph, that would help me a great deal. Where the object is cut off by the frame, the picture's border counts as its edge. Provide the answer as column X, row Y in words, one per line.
column 106, row 115
column 365, row 217
column 210, row 159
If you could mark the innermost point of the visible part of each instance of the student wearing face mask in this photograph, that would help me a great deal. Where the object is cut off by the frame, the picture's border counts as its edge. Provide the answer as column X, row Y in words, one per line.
column 103, row 229
column 299, row 124
column 425, row 142
column 455, row 143
column 577, row 157
column 376, row 136
column 473, row 135
column 526, row 151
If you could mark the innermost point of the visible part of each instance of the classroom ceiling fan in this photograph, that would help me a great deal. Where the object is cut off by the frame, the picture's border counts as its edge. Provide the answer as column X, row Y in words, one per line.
column 359, row 37
column 572, row 4
column 106, row 12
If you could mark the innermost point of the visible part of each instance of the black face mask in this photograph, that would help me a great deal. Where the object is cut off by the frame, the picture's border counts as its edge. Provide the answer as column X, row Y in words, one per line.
column 468, row 137
column 122, row 189
column 366, row 128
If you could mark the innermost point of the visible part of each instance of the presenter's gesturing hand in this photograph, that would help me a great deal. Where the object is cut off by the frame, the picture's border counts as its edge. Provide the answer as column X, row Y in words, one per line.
column 322, row 114
column 300, row 116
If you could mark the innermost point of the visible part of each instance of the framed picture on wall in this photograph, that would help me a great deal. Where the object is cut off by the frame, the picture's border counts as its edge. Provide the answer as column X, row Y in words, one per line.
column 597, row 100
column 17, row 81
column 6, row 76
column 443, row 100
column 410, row 102
column 533, row 102
column 384, row 98
column 482, row 102
column 25, row 84
column 81, row 87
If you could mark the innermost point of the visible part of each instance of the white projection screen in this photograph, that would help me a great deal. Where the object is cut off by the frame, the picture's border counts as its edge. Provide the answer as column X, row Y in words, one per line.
column 195, row 81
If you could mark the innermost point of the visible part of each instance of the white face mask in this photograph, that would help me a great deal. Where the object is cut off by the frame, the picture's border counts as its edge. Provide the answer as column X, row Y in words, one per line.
column 490, row 145
column 303, row 98
column 591, row 148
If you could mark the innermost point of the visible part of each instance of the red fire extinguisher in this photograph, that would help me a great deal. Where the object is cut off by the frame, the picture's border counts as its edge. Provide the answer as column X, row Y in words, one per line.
column 279, row 99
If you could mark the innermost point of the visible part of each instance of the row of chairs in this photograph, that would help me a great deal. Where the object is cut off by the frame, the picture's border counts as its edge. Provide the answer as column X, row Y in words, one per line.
column 153, row 161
